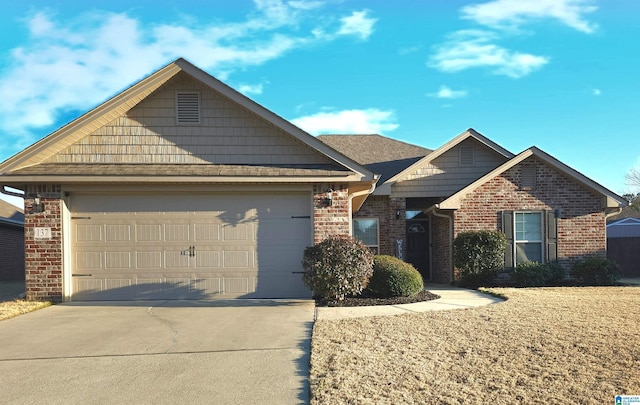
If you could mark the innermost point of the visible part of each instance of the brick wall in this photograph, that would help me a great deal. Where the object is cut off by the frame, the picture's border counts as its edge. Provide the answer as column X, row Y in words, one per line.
column 43, row 257
column 581, row 221
column 331, row 219
column 390, row 229
column 11, row 252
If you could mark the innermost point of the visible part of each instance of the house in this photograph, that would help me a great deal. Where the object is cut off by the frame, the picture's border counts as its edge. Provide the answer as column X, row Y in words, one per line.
column 180, row 187
column 11, row 242
column 623, row 244
column 547, row 210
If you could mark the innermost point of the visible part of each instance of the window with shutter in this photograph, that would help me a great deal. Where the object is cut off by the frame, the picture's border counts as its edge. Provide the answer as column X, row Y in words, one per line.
column 188, row 108
column 532, row 236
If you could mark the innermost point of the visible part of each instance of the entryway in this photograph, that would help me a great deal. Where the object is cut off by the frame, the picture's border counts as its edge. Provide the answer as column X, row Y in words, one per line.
column 418, row 246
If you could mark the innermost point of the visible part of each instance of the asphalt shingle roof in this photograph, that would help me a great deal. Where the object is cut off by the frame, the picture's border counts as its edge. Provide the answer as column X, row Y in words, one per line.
column 381, row 155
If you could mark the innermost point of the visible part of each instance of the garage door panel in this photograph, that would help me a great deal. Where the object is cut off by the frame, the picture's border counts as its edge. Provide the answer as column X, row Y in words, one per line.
column 188, row 247
column 117, row 260
column 208, row 259
column 148, row 260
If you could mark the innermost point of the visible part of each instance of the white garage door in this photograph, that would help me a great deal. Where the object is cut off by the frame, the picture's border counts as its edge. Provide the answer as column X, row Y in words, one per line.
column 189, row 247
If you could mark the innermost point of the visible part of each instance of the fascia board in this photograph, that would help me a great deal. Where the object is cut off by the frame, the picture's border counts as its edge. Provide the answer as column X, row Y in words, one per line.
column 20, row 180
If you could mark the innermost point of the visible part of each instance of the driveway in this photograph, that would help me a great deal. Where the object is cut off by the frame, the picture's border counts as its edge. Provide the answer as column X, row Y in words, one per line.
column 222, row 352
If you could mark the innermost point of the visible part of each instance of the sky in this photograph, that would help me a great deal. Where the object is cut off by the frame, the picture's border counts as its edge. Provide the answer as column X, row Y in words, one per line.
column 561, row 75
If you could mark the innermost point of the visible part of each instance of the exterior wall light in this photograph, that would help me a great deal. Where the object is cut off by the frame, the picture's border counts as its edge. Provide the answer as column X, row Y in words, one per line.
column 38, row 205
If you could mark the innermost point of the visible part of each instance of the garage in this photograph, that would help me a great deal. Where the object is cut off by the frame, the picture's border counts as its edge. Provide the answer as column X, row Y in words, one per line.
column 203, row 246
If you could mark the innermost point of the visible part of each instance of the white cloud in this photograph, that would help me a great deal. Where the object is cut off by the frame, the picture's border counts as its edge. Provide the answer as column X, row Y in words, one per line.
column 369, row 121
column 513, row 13
column 358, row 23
column 449, row 93
column 596, row 92
column 74, row 64
column 468, row 49
column 248, row 89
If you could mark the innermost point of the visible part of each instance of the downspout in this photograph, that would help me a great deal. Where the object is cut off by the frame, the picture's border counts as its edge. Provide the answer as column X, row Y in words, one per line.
column 450, row 220
column 358, row 194
column 613, row 213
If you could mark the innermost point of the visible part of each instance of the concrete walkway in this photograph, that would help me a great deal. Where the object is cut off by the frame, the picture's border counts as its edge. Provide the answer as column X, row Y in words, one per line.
column 450, row 298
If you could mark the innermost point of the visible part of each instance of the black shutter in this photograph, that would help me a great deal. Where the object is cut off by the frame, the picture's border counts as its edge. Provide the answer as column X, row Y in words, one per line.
column 551, row 236
column 507, row 229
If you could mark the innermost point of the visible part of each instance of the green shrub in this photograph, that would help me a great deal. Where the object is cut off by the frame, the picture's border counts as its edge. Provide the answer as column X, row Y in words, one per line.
column 479, row 255
column 336, row 267
column 394, row 278
column 534, row 274
column 596, row 271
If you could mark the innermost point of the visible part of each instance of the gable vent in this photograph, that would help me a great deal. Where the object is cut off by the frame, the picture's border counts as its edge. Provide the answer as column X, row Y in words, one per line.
column 466, row 156
column 528, row 177
column 188, row 108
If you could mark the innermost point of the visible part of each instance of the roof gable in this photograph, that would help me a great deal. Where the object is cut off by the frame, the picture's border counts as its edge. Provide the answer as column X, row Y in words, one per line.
column 429, row 165
column 609, row 199
column 139, row 126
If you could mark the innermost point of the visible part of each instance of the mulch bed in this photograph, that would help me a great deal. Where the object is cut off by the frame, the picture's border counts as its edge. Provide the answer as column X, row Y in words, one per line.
column 363, row 300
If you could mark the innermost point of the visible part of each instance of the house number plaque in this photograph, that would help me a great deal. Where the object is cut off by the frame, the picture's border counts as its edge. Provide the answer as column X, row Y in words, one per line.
column 42, row 233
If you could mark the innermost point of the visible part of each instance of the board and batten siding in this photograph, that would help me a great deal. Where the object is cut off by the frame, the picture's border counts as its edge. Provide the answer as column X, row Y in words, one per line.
column 227, row 134
column 445, row 175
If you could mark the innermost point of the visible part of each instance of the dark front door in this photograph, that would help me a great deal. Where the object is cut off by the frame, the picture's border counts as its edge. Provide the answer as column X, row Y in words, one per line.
column 418, row 247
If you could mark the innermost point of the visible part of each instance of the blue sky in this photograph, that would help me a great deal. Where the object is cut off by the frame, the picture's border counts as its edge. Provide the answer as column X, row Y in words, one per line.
column 558, row 74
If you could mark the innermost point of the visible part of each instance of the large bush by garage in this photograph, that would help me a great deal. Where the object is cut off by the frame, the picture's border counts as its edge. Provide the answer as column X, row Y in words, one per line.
column 394, row 278
column 336, row 267
column 479, row 255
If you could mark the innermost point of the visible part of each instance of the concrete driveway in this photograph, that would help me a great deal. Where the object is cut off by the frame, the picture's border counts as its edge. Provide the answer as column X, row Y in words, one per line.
column 214, row 352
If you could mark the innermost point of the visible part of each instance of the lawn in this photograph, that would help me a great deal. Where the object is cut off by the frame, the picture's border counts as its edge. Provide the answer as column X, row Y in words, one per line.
column 9, row 309
column 542, row 345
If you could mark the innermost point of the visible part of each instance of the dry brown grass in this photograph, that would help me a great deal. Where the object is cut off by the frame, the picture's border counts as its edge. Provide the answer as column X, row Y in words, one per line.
column 547, row 345
column 9, row 309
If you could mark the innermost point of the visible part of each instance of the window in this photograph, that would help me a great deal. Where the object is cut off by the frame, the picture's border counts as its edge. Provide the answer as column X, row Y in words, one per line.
column 532, row 236
column 188, row 108
column 528, row 237
column 366, row 231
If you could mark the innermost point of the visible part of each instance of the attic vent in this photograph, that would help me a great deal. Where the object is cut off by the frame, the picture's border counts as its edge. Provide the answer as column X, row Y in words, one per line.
column 528, row 177
column 466, row 156
column 188, row 108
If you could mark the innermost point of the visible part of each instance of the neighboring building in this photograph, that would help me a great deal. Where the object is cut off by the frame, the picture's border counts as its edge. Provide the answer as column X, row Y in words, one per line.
column 11, row 242
column 182, row 188
column 623, row 244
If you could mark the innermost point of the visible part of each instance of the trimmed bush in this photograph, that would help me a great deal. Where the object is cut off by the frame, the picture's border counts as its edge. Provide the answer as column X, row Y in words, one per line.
column 479, row 255
column 596, row 271
column 336, row 267
column 534, row 274
column 394, row 278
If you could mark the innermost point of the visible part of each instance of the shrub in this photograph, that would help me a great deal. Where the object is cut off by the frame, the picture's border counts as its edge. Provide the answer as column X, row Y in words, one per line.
column 534, row 274
column 394, row 278
column 479, row 255
column 336, row 267
column 596, row 271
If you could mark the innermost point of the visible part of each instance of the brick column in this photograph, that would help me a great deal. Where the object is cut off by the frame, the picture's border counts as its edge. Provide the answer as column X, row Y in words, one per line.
column 331, row 219
column 43, row 244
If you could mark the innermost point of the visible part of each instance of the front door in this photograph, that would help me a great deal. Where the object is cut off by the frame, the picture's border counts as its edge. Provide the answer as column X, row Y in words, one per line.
column 418, row 247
